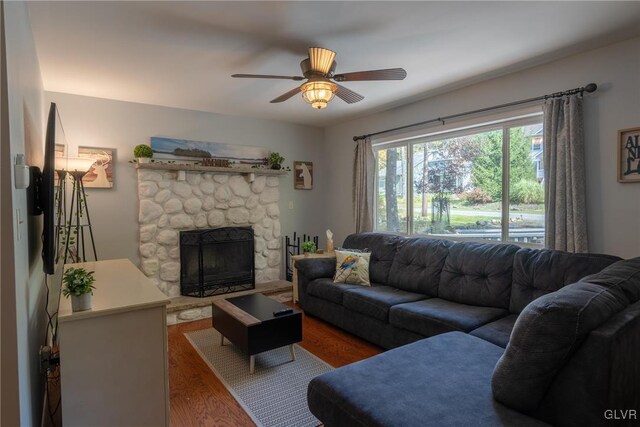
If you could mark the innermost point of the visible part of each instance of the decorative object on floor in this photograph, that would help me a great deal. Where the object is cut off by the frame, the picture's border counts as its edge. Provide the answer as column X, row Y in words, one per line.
column 100, row 175
column 292, row 247
column 352, row 267
column 78, row 220
column 309, row 247
column 629, row 155
column 78, row 284
column 319, row 70
column 275, row 395
column 182, row 149
column 275, row 160
column 143, row 153
column 303, row 176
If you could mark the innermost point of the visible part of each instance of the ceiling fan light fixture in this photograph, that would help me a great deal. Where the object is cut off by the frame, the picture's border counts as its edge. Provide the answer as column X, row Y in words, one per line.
column 321, row 59
column 318, row 93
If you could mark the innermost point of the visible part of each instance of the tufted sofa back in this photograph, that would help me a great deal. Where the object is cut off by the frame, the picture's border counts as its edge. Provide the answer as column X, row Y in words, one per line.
column 537, row 272
column 418, row 264
column 484, row 274
column 478, row 274
column 383, row 249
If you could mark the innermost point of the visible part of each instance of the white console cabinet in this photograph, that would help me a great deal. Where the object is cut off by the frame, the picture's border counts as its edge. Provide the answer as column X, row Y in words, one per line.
column 113, row 358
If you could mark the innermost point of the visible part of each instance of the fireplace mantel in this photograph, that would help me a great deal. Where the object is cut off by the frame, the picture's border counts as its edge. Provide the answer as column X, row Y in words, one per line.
column 212, row 169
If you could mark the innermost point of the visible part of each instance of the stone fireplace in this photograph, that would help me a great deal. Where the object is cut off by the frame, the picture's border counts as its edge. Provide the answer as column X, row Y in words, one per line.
column 204, row 200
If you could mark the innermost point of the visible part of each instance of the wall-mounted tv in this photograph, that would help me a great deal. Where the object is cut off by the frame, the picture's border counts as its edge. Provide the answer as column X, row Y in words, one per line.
column 43, row 189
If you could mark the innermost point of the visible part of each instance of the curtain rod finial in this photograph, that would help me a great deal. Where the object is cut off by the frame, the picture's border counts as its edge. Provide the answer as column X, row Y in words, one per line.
column 591, row 87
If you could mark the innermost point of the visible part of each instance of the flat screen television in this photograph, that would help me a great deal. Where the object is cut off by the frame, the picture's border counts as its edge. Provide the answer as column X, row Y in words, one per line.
column 44, row 183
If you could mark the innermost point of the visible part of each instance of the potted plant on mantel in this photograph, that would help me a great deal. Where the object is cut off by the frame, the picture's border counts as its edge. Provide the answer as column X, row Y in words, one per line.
column 275, row 160
column 308, row 247
column 143, row 153
column 78, row 284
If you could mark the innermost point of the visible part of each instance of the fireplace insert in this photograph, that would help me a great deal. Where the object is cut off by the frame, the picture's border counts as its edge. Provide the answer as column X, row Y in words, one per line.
column 216, row 261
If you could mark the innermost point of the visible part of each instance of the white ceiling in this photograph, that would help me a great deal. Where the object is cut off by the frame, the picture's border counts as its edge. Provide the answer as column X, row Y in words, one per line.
column 181, row 54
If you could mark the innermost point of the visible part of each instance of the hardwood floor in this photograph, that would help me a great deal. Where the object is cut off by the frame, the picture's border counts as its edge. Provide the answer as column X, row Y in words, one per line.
column 198, row 398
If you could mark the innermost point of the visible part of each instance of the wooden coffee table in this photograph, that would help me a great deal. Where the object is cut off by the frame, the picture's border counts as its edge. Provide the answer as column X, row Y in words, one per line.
column 248, row 322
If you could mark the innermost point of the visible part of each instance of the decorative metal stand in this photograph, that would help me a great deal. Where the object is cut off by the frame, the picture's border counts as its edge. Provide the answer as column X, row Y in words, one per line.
column 292, row 247
column 78, row 220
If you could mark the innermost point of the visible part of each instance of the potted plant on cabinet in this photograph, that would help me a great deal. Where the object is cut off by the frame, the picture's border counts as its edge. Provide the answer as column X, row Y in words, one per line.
column 78, row 284
column 275, row 160
column 143, row 153
column 308, row 247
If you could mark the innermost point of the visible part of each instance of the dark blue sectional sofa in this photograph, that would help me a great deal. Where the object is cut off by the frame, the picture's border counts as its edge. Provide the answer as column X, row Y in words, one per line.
column 514, row 336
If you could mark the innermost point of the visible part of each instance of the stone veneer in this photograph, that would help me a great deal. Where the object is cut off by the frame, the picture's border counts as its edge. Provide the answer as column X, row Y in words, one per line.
column 204, row 200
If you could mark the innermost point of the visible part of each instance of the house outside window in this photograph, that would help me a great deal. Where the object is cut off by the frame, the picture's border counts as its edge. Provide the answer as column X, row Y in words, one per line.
column 481, row 183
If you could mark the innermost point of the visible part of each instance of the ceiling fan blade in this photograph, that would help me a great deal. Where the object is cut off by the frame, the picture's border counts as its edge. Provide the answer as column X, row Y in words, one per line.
column 388, row 74
column 286, row 96
column 347, row 95
column 321, row 59
column 266, row 76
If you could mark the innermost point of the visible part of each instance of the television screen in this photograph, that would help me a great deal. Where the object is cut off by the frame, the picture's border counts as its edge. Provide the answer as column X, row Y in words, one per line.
column 55, row 146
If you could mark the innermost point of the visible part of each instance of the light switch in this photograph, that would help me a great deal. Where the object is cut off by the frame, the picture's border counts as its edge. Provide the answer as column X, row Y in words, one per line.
column 291, row 204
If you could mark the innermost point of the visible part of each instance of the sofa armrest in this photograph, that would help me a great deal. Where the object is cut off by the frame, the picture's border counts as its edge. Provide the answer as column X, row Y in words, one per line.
column 316, row 268
column 310, row 269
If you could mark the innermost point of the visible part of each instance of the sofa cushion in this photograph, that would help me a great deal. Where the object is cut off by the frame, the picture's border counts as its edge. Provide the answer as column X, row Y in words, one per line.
column 439, row 381
column 375, row 301
column 383, row 249
column 478, row 274
column 497, row 332
column 537, row 272
column 417, row 265
column 435, row 316
column 315, row 268
column 328, row 290
column 553, row 326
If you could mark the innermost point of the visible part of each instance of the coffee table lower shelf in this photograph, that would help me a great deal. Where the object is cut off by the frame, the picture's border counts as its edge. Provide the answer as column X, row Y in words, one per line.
column 248, row 322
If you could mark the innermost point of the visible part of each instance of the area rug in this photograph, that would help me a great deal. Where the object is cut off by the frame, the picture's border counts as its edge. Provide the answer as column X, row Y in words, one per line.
column 276, row 394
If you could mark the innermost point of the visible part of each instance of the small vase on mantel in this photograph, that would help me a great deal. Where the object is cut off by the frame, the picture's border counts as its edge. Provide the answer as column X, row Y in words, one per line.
column 81, row 302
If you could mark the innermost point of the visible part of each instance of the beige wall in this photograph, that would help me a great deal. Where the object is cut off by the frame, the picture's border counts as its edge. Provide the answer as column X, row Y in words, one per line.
column 613, row 208
column 122, row 125
column 23, row 296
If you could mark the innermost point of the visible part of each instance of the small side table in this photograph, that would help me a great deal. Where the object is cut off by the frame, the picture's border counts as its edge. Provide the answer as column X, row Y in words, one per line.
column 294, row 258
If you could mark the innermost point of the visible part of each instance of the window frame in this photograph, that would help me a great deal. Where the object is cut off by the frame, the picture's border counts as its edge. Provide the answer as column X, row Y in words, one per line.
column 475, row 126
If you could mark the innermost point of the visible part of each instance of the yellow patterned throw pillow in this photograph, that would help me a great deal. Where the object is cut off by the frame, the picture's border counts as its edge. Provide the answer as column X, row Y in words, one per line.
column 352, row 267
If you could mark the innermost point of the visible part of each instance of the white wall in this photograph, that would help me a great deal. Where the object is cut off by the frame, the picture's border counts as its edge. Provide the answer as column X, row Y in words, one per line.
column 22, row 296
column 122, row 125
column 613, row 208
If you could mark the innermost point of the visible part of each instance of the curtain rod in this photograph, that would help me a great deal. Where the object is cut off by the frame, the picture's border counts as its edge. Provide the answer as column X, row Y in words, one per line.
column 591, row 87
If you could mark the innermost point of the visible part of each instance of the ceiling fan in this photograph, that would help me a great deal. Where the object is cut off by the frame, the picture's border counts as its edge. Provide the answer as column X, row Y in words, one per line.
column 319, row 71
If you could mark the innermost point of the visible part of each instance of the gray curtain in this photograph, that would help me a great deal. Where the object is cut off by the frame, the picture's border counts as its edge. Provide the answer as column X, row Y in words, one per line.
column 564, row 175
column 363, row 185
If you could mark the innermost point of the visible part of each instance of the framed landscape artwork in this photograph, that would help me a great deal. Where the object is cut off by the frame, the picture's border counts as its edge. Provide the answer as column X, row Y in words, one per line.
column 186, row 150
column 303, row 175
column 101, row 173
column 629, row 155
